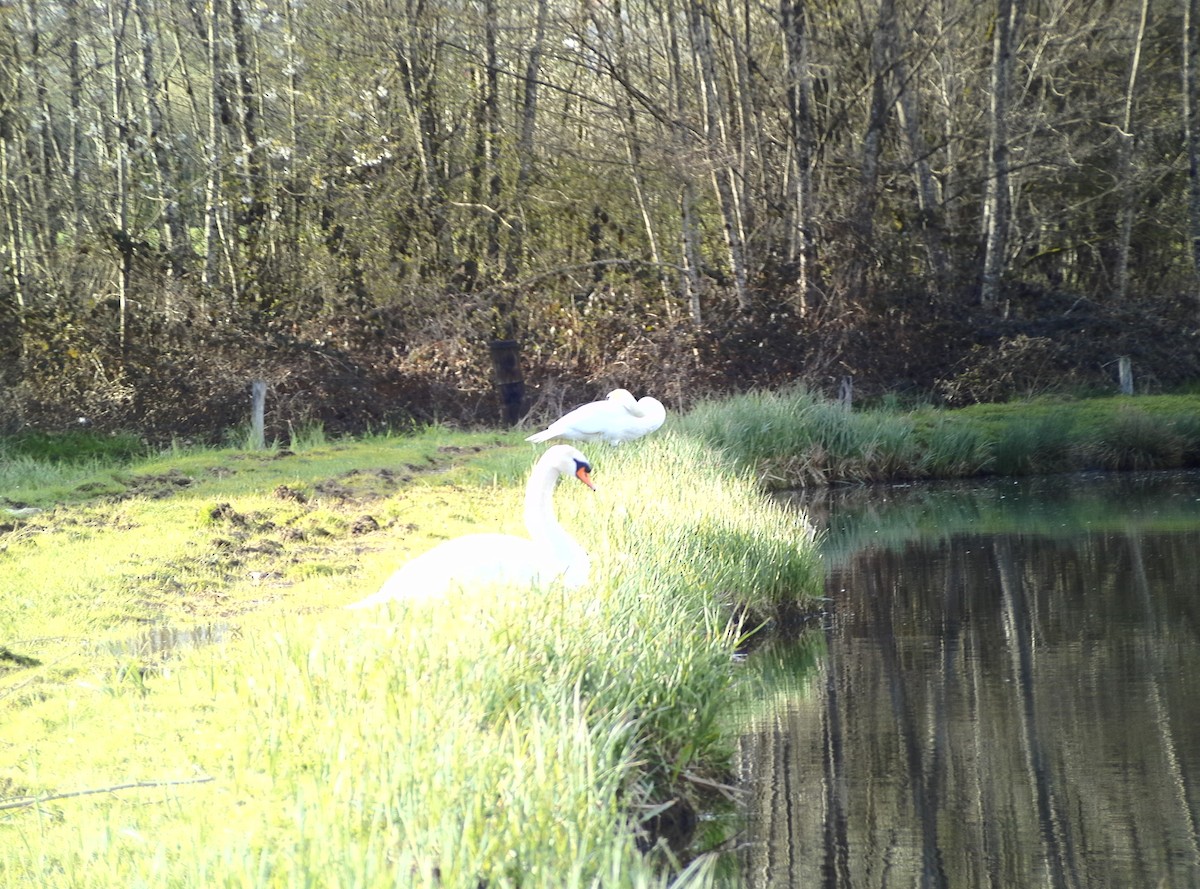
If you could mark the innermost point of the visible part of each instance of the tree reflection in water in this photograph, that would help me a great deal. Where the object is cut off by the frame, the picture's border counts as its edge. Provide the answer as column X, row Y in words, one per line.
column 1007, row 698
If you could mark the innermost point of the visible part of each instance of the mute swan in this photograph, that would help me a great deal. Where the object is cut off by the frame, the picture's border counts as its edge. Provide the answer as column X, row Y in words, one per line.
column 548, row 554
column 616, row 419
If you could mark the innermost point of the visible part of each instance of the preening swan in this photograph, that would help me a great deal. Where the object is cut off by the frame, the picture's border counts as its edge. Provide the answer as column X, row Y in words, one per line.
column 616, row 419
column 548, row 554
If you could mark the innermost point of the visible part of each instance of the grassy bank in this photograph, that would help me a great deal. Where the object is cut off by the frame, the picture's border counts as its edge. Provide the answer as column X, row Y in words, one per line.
column 794, row 438
column 496, row 739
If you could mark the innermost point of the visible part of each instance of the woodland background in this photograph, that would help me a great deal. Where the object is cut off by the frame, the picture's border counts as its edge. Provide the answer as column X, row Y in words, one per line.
column 352, row 199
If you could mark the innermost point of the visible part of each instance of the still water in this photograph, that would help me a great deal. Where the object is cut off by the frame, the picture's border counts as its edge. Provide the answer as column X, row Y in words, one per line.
column 1005, row 692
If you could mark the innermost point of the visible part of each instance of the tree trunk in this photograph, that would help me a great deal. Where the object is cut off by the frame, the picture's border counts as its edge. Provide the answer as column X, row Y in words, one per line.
column 75, row 125
column 253, row 213
column 207, row 21
column 1191, row 120
column 515, row 256
column 121, row 142
column 718, row 145
column 863, row 222
column 487, row 182
column 908, row 109
column 173, row 231
column 997, row 208
column 691, row 284
column 12, row 294
column 633, row 150
column 793, row 21
column 416, row 60
column 1125, row 171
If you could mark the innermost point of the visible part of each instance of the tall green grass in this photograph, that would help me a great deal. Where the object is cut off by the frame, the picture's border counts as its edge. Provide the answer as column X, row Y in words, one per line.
column 796, row 437
column 497, row 738
column 793, row 437
column 33, row 461
column 73, row 447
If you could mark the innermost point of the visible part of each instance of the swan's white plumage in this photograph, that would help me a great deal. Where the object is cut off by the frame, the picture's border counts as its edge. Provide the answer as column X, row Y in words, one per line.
column 619, row 417
column 548, row 555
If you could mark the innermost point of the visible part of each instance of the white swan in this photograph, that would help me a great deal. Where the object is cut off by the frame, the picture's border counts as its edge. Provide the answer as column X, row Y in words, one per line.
column 547, row 555
column 616, row 419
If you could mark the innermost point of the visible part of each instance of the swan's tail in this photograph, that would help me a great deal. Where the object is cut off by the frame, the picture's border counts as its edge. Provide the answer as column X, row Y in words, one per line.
column 418, row 580
column 544, row 435
column 376, row 598
column 392, row 588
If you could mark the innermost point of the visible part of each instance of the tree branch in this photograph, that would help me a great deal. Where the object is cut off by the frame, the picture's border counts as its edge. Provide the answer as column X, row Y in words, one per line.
column 23, row 801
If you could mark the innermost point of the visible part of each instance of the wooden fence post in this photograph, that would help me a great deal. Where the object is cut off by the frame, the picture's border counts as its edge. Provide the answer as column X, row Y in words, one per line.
column 258, row 406
column 506, row 374
column 1125, row 374
column 846, row 393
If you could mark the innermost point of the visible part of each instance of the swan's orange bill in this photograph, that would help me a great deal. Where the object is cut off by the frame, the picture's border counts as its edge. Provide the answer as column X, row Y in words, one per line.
column 582, row 474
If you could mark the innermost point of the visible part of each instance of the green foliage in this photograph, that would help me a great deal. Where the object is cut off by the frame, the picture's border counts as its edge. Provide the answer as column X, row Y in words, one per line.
column 306, row 436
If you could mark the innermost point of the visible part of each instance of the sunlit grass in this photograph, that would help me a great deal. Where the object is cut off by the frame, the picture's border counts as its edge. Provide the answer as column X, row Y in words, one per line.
column 794, row 438
column 497, row 738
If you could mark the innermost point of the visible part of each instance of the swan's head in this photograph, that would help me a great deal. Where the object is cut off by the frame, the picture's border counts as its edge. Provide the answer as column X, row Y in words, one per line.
column 622, row 396
column 567, row 460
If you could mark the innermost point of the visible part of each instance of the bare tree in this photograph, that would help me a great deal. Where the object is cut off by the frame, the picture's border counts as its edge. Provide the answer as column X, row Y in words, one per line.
column 515, row 255
column 717, row 141
column 1191, row 121
column 1127, row 141
column 12, row 290
column 690, row 234
column 997, row 207
column 172, row 230
column 798, row 89
column 634, row 146
column 909, row 111
column 878, row 109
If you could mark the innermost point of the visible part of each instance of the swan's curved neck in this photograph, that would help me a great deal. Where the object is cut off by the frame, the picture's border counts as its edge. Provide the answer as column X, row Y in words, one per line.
column 540, row 520
column 559, row 550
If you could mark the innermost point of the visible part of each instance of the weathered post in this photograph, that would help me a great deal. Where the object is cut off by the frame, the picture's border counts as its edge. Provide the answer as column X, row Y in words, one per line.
column 506, row 374
column 846, row 393
column 1125, row 375
column 258, row 406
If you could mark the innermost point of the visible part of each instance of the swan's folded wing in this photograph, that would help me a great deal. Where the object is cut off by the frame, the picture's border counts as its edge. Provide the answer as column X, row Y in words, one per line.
column 475, row 560
column 590, row 422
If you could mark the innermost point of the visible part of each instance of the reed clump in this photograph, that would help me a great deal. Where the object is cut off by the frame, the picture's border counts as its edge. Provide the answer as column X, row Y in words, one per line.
column 1135, row 440
column 794, row 438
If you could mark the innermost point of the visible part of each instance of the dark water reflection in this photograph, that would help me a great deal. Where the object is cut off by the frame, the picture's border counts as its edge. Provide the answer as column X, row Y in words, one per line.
column 1005, row 694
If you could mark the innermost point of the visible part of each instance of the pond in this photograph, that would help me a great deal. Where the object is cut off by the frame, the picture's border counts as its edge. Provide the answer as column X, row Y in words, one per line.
column 1004, row 692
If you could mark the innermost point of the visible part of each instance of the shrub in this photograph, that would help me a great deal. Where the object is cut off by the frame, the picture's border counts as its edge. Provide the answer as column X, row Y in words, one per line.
column 1043, row 442
column 1135, row 440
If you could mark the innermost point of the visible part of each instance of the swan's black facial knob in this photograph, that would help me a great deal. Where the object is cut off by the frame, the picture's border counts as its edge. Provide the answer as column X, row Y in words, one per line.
column 583, row 473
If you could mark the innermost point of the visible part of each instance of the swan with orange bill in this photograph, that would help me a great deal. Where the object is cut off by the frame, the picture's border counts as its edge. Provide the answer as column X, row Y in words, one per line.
column 548, row 555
